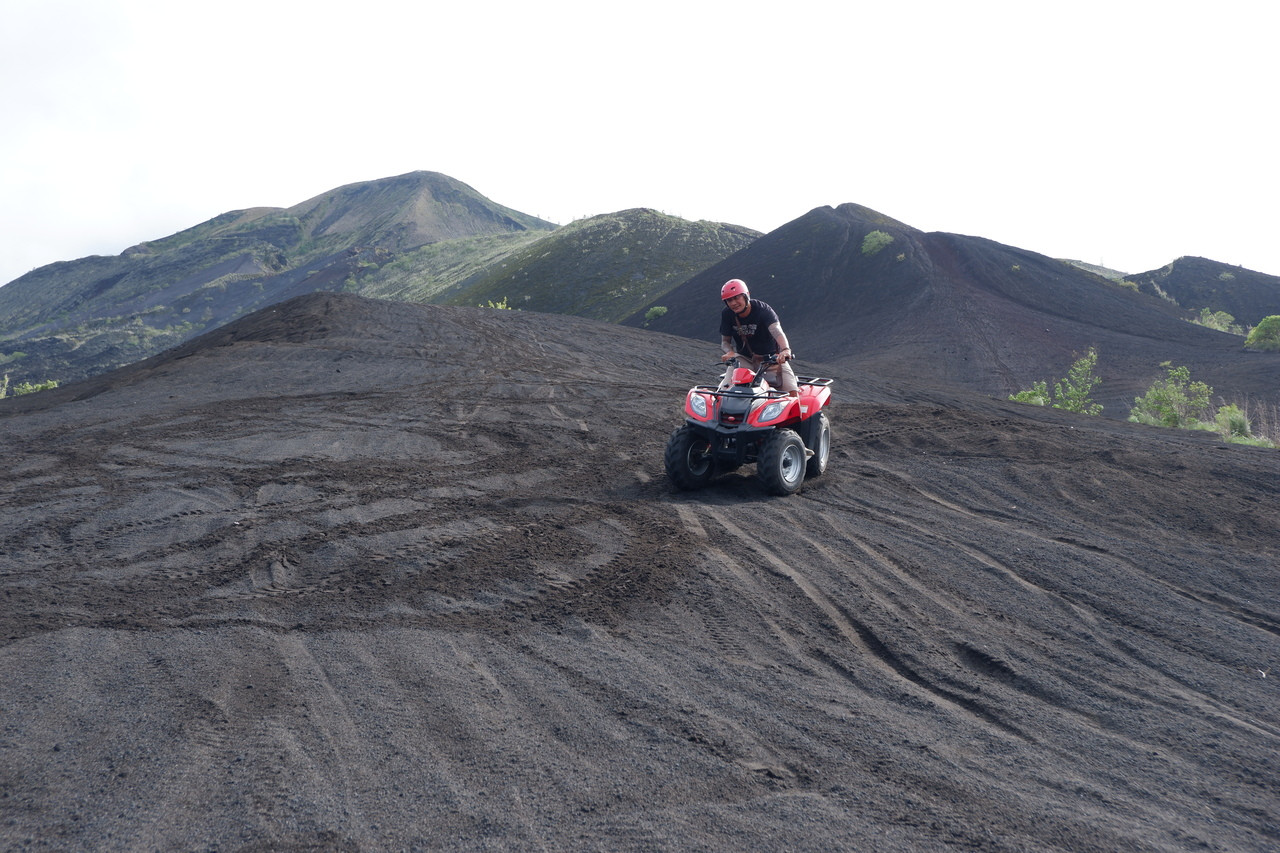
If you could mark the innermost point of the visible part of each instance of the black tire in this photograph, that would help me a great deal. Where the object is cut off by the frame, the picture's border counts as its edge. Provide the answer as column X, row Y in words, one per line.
column 688, row 459
column 781, row 463
column 821, row 446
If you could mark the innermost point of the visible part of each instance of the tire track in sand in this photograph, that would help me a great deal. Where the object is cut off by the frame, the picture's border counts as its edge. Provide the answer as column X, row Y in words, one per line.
column 1179, row 693
column 857, row 634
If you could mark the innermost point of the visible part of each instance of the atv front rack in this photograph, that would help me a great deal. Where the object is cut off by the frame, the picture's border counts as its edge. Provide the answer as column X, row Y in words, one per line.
column 735, row 391
column 812, row 381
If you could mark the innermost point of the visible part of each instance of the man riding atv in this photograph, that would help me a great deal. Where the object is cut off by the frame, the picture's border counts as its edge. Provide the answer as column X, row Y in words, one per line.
column 749, row 332
column 779, row 426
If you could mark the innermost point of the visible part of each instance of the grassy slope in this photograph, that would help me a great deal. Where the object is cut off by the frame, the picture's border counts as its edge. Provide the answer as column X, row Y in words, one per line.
column 421, row 274
column 604, row 267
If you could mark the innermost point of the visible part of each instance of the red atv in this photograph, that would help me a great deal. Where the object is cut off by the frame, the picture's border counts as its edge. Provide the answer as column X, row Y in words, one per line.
column 747, row 421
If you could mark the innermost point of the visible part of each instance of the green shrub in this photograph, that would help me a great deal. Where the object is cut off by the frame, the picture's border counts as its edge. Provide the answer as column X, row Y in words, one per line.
column 33, row 387
column 654, row 313
column 875, row 241
column 1218, row 320
column 24, row 387
column 1174, row 401
column 1233, row 425
column 1266, row 335
column 1070, row 394
column 1232, row 422
column 1036, row 395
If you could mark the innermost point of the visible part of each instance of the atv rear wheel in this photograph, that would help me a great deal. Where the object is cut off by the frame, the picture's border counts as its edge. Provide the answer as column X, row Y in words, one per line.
column 781, row 462
column 688, row 459
column 821, row 446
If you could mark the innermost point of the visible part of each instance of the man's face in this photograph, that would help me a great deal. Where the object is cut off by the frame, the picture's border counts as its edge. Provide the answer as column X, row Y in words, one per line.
column 738, row 304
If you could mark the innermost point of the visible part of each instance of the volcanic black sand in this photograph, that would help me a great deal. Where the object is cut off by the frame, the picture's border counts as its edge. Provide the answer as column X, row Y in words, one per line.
column 351, row 575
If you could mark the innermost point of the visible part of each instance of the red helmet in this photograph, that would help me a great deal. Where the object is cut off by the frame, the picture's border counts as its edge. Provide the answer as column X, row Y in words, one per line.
column 734, row 287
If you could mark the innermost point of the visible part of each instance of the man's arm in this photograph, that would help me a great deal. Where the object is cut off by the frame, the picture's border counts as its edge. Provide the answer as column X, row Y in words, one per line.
column 780, row 338
column 727, row 349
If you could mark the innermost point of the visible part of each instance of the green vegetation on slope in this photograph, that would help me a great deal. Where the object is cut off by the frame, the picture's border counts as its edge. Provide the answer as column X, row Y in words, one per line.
column 422, row 274
column 1176, row 401
column 24, row 387
column 606, row 267
column 875, row 241
column 1219, row 321
column 1070, row 394
column 1265, row 336
column 1179, row 401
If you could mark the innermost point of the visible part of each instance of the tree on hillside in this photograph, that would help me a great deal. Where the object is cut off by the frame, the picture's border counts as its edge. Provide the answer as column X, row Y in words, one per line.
column 654, row 313
column 1266, row 335
column 1219, row 321
column 875, row 241
column 1071, row 394
column 1174, row 401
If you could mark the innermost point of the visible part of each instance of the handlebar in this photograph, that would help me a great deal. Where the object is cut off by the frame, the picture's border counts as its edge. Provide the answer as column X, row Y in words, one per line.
column 768, row 360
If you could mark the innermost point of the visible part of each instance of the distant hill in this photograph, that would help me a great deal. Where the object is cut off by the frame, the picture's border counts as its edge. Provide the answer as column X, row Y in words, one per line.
column 421, row 237
column 856, row 287
column 76, row 318
column 1197, row 283
column 604, row 267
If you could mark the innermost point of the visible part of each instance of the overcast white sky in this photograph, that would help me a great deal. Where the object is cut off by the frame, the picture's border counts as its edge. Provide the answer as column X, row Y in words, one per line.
column 1125, row 133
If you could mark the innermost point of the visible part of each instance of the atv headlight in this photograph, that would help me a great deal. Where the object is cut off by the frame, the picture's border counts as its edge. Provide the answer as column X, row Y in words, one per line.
column 698, row 403
column 771, row 411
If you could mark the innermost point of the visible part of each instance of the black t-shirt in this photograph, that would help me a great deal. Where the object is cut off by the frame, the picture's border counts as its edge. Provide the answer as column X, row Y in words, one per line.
column 755, row 326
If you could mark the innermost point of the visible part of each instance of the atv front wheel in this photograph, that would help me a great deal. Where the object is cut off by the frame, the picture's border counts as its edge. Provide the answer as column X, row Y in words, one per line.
column 688, row 459
column 821, row 447
column 781, row 462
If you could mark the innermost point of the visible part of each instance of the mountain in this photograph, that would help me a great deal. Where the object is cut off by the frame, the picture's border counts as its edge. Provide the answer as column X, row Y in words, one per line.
column 72, row 319
column 1198, row 283
column 422, row 237
column 421, row 584
column 855, row 287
